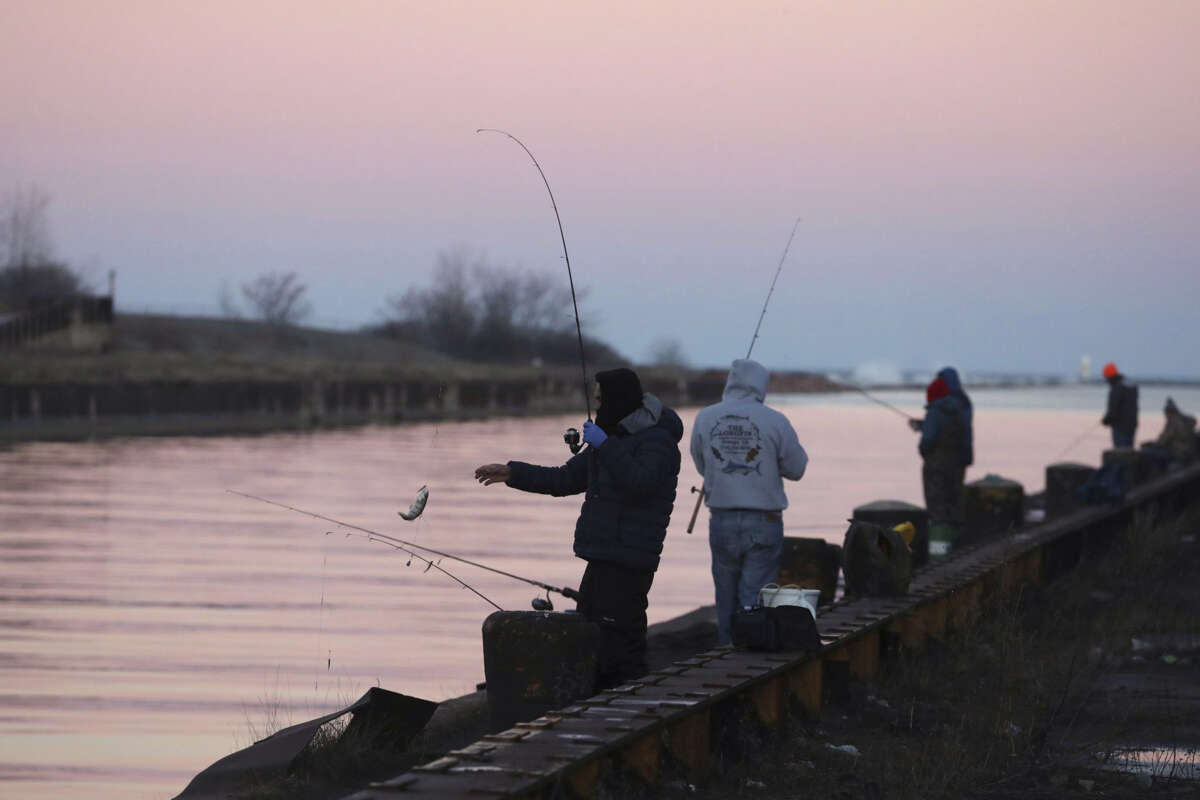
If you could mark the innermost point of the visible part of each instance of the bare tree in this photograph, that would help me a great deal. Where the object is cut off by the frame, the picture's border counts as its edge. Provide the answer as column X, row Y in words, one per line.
column 29, row 275
column 227, row 303
column 481, row 312
column 277, row 298
column 667, row 353
column 443, row 315
column 24, row 231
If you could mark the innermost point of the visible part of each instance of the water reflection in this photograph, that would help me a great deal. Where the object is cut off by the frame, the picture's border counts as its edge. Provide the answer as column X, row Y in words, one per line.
column 149, row 621
column 1165, row 763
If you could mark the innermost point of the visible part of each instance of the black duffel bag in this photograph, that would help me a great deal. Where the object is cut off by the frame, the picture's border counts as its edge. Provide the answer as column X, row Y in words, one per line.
column 754, row 629
column 795, row 629
column 775, row 628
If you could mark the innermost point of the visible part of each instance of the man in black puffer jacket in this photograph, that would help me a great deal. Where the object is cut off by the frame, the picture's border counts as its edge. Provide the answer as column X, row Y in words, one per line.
column 629, row 472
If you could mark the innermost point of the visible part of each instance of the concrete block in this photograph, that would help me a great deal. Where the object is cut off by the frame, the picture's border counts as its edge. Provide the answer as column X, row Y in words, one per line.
column 994, row 505
column 810, row 564
column 1062, row 484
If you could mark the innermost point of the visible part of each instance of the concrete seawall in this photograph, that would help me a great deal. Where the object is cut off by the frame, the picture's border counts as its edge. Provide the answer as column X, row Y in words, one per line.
column 82, row 410
column 673, row 719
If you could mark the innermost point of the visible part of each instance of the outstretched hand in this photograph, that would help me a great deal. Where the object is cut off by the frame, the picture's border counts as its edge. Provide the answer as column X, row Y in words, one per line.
column 493, row 473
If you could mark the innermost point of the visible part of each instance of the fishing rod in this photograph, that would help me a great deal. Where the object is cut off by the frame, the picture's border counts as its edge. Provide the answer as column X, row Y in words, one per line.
column 1078, row 440
column 703, row 489
column 571, row 437
column 771, row 291
column 428, row 563
column 883, row 403
column 402, row 544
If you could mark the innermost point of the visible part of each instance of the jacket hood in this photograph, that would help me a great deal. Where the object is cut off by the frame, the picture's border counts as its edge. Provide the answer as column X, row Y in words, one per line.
column 747, row 380
column 950, row 376
column 953, row 383
column 652, row 412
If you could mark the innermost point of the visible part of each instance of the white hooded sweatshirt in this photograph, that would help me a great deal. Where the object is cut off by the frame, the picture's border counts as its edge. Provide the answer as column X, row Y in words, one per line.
column 743, row 448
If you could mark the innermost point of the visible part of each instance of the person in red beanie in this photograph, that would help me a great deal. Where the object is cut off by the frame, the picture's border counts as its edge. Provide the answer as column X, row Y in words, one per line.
column 943, row 446
column 1122, row 412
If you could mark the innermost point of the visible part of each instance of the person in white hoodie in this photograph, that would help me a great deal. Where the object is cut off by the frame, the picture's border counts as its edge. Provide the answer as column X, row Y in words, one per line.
column 744, row 449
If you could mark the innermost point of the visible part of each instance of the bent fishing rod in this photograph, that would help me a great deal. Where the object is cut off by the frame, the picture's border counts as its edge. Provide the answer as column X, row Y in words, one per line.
column 702, row 490
column 402, row 544
column 571, row 437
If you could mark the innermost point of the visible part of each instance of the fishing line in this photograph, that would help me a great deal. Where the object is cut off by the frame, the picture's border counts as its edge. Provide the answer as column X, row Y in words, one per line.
column 565, row 591
column 321, row 622
column 429, row 564
column 571, row 440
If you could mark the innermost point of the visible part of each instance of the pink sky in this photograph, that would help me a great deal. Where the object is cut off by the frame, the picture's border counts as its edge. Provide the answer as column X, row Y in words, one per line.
column 962, row 168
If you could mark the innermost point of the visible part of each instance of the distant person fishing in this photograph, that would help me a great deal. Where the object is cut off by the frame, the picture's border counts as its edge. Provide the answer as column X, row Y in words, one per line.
column 1177, row 443
column 744, row 449
column 947, row 448
column 1121, row 413
column 629, row 471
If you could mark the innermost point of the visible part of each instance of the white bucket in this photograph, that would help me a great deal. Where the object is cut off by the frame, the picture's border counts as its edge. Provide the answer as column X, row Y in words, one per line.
column 773, row 595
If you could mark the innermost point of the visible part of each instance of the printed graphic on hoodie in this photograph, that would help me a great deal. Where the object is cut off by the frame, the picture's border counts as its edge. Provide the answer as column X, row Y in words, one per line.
column 736, row 443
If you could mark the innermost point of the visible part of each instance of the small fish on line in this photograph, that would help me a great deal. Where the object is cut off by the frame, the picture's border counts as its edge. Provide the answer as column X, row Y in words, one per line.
column 417, row 506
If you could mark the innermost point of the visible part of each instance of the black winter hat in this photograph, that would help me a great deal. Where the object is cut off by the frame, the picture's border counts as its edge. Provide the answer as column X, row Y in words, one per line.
column 620, row 395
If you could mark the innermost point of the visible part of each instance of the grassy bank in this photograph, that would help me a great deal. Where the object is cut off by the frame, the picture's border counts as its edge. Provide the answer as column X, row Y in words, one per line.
column 148, row 347
column 1042, row 698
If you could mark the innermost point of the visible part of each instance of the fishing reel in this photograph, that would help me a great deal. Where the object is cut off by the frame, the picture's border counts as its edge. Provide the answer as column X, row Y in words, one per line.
column 542, row 603
column 573, row 440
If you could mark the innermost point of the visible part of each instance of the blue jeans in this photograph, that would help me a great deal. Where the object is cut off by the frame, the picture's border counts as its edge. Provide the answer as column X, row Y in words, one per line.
column 746, row 546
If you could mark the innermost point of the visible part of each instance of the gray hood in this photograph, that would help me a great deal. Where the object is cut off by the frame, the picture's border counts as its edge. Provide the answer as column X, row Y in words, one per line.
column 747, row 380
column 645, row 417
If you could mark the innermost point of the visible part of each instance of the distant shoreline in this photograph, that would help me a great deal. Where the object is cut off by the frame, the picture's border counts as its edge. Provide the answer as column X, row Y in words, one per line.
column 148, row 399
column 76, row 412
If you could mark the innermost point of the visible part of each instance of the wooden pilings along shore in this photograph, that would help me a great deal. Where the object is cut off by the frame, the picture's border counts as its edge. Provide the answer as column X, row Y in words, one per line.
column 672, row 718
column 80, row 410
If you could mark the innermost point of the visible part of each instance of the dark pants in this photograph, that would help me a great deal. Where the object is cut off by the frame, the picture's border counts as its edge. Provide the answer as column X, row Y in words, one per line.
column 1123, row 438
column 614, row 597
column 944, row 493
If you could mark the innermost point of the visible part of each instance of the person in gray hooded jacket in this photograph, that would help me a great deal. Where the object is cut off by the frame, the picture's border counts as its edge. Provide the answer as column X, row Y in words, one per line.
column 744, row 449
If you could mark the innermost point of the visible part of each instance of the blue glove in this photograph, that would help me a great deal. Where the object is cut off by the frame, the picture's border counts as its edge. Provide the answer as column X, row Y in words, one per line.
column 593, row 434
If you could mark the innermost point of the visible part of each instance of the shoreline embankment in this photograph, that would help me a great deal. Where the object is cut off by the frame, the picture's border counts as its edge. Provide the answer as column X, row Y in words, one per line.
column 683, row 722
column 182, row 401
column 701, row 710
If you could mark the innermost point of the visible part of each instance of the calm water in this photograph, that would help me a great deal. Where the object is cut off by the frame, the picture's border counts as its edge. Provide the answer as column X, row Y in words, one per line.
column 151, row 623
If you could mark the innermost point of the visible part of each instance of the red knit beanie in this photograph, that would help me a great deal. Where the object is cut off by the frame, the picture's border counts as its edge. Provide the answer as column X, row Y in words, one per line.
column 937, row 389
